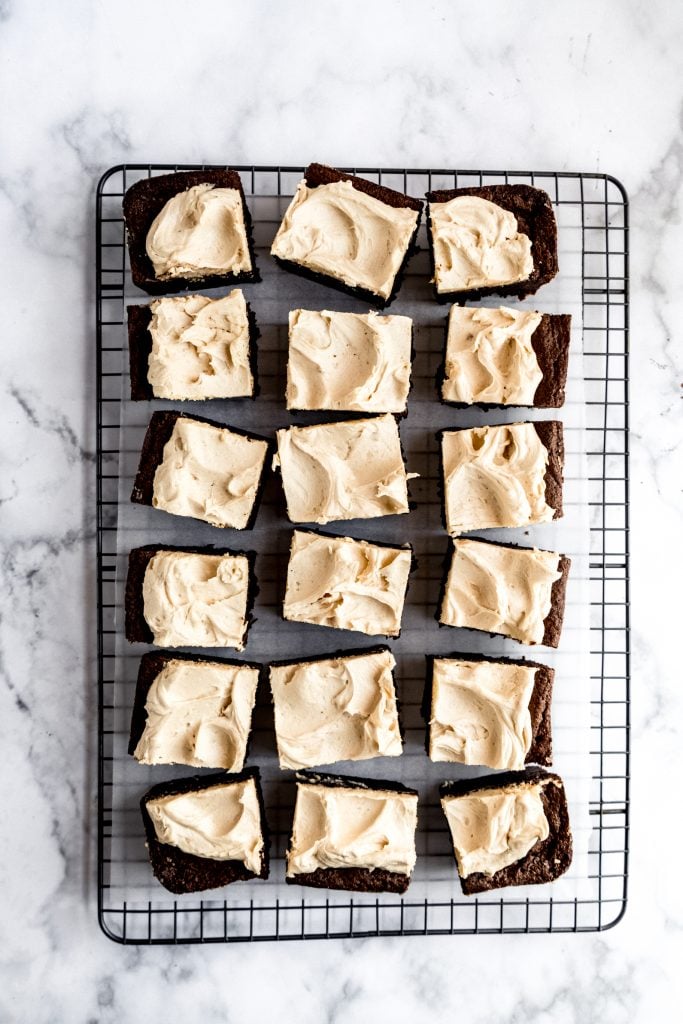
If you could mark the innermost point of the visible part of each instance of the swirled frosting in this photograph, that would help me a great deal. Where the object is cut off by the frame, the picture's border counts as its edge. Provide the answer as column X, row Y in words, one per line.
column 346, row 584
column 199, row 232
column 480, row 712
column 348, row 470
column 338, row 230
column 209, row 473
column 477, row 245
column 222, row 822
column 494, row 476
column 500, row 589
column 493, row 828
column 196, row 600
column 200, row 347
column 339, row 827
column 198, row 713
column 336, row 709
column 490, row 357
column 348, row 361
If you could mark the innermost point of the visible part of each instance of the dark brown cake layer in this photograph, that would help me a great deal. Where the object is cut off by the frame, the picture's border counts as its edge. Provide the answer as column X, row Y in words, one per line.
column 320, row 174
column 546, row 860
column 141, row 204
column 552, row 438
column 137, row 630
column 541, row 747
column 535, row 218
column 151, row 665
column 550, row 342
column 179, row 871
column 140, row 347
column 159, row 434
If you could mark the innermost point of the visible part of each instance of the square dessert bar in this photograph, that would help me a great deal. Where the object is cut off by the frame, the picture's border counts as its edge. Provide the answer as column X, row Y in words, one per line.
column 188, row 229
column 352, row 834
column 194, row 467
column 194, row 711
column 339, row 708
column 508, row 829
column 206, row 831
column 349, row 233
column 491, row 240
column 505, row 357
column 485, row 711
column 189, row 597
column 502, row 476
column 349, row 469
column 507, row 590
column 346, row 583
column 348, row 362
column 192, row 348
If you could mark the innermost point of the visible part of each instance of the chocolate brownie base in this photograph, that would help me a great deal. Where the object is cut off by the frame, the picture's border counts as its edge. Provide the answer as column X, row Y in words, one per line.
column 320, row 174
column 540, row 703
column 551, row 435
column 546, row 860
column 535, row 218
column 151, row 665
column 179, row 871
column 137, row 630
column 140, row 347
column 159, row 434
column 141, row 204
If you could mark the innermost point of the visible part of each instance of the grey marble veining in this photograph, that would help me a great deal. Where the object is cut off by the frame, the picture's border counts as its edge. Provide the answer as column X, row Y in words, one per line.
column 86, row 85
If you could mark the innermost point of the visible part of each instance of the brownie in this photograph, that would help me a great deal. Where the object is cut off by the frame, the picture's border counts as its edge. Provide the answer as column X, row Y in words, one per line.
column 352, row 879
column 546, row 860
column 540, row 703
column 535, row 218
column 137, row 630
column 319, row 174
column 157, row 436
column 140, row 347
column 179, row 871
column 146, row 198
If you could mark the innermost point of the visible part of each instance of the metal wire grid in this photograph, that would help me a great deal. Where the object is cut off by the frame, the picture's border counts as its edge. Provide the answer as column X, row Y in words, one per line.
column 603, row 209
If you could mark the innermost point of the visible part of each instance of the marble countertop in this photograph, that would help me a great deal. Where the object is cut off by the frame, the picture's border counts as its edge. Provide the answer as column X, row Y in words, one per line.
column 87, row 85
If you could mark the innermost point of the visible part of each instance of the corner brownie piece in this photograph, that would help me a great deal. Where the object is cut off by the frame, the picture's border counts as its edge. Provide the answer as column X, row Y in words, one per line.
column 508, row 829
column 201, row 239
column 348, row 233
column 491, row 240
column 488, row 711
column 352, row 834
column 232, row 847
column 191, row 466
column 505, row 357
column 506, row 475
column 193, row 348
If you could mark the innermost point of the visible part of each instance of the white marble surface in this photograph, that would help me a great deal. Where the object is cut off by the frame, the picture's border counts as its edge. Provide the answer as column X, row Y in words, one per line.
column 85, row 85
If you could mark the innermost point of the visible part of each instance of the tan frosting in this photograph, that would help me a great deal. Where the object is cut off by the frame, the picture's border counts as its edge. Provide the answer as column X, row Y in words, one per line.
column 346, row 583
column 336, row 827
column 210, row 473
column 200, row 347
column 198, row 713
column 348, row 361
column 494, row 476
column 500, row 589
column 338, row 230
column 348, row 470
column 339, row 709
column 199, row 232
column 494, row 828
column 477, row 245
column 490, row 357
column 196, row 600
column 480, row 712
column 221, row 822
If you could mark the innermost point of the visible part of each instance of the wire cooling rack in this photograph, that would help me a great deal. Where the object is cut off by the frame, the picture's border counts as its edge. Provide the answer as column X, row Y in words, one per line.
column 599, row 206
